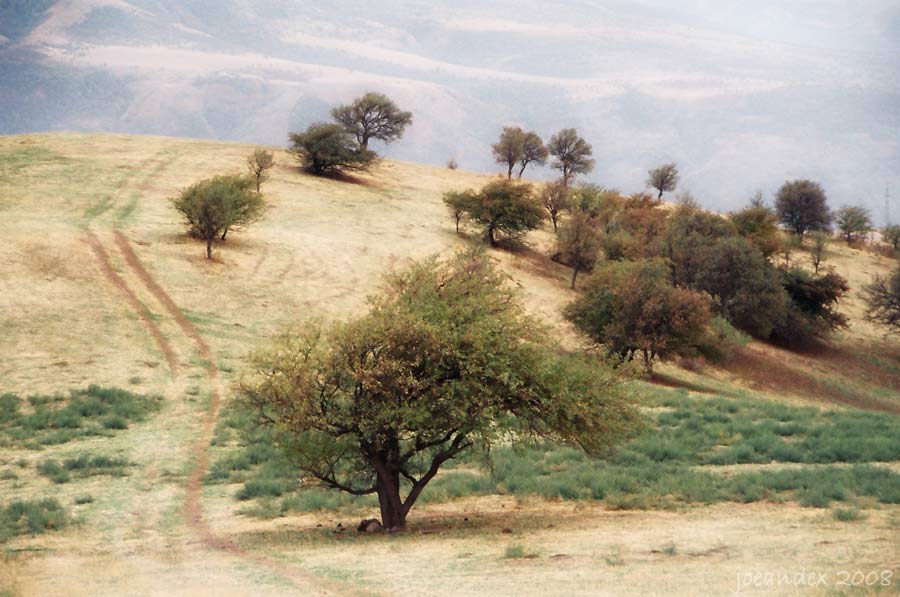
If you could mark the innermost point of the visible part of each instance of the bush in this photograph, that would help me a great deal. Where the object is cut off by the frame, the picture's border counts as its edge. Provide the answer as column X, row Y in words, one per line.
column 882, row 297
column 31, row 517
column 518, row 551
column 632, row 308
column 84, row 465
column 214, row 206
column 721, row 340
column 505, row 208
column 847, row 514
column 58, row 419
column 747, row 289
column 329, row 149
column 813, row 309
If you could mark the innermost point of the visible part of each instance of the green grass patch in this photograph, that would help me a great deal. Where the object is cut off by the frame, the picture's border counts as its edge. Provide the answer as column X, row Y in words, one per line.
column 674, row 463
column 46, row 420
column 847, row 514
column 82, row 466
column 517, row 551
column 31, row 517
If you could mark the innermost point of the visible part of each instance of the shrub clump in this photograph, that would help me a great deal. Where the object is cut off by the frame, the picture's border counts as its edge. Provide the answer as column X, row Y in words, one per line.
column 31, row 517
column 58, row 419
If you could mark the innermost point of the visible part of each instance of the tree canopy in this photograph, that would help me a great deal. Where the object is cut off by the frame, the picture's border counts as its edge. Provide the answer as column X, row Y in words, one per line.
column 445, row 361
column 578, row 243
column 663, row 178
column 556, row 198
column 213, row 206
column 633, row 309
column 327, row 149
column 372, row 116
column 572, row 153
column 259, row 163
column 758, row 224
column 801, row 206
column 891, row 235
column 853, row 221
column 882, row 296
column 504, row 207
column 458, row 203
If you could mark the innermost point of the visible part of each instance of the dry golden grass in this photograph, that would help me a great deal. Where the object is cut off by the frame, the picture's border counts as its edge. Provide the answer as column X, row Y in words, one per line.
column 320, row 250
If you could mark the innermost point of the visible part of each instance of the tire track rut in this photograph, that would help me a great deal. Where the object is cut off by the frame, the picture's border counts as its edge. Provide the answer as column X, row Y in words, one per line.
column 193, row 509
column 142, row 311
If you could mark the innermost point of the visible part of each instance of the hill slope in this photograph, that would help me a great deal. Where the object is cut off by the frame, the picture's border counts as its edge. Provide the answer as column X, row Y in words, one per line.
column 101, row 285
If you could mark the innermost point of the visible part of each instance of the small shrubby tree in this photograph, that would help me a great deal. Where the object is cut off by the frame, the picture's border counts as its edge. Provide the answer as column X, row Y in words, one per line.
column 444, row 362
column 510, row 148
column 891, row 235
column 505, row 207
column 259, row 163
column 605, row 206
column 812, row 312
column 578, row 243
column 555, row 197
column 664, row 178
column 882, row 298
column 818, row 248
column 801, row 206
column 214, row 206
column 533, row 152
column 688, row 240
column 458, row 203
column 372, row 116
column 632, row 308
column 758, row 224
column 572, row 153
column 328, row 149
column 853, row 221
column 747, row 290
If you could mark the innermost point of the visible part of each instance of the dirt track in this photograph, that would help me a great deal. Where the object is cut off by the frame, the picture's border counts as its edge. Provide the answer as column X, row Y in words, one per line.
column 193, row 508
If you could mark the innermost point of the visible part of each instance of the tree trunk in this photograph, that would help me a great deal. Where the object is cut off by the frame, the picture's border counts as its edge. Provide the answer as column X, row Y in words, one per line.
column 522, row 170
column 509, row 171
column 393, row 515
column 574, row 275
column 648, row 362
column 209, row 247
column 224, row 233
column 258, row 176
column 659, row 197
column 553, row 218
column 457, row 225
column 490, row 235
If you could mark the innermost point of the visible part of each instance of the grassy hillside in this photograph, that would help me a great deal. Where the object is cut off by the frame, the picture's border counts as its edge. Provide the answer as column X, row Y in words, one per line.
column 99, row 285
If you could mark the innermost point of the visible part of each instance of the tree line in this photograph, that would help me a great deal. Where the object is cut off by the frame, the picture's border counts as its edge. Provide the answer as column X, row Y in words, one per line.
column 446, row 361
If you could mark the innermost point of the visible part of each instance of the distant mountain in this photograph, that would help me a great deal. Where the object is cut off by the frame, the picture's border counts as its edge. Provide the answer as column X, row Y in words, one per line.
column 741, row 97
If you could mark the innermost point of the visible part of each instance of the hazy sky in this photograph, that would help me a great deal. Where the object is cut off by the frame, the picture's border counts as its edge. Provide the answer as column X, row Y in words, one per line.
column 742, row 95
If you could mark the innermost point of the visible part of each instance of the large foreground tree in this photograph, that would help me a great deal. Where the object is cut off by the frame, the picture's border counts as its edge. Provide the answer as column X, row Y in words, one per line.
column 372, row 116
column 445, row 361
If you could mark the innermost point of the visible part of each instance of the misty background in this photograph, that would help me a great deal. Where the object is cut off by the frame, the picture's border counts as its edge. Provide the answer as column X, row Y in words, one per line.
column 742, row 95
